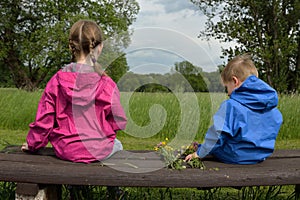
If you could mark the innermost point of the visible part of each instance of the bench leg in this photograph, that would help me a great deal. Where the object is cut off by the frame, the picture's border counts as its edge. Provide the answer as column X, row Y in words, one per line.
column 30, row 191
column 297, row 192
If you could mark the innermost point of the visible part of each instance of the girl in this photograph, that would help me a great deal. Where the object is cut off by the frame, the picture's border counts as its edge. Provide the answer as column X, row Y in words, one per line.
column 79, row 112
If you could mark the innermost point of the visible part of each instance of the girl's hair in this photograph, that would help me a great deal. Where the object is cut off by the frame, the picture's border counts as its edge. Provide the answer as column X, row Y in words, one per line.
column 241, row 66
column 85, row 36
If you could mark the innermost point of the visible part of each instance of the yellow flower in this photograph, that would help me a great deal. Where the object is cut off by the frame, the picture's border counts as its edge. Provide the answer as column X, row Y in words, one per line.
column 155, row 148
column 167, row 139
column 169, row 148
column 163, row 143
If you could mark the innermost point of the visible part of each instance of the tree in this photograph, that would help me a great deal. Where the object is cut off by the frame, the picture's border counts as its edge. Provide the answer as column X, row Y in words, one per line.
column 5, row 79
column 193, row 75
column 112, row 58
column 215, row 83
column 34, row 34
column 270, row 30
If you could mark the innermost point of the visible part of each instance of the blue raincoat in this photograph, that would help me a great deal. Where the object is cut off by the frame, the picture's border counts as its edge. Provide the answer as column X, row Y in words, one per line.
column 245, row 126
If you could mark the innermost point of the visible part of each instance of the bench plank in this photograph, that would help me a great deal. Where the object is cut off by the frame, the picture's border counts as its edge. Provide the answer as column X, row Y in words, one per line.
column 145, row 169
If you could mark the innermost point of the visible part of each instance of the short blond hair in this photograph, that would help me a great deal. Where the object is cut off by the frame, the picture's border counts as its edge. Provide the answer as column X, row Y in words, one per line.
column 241, row 67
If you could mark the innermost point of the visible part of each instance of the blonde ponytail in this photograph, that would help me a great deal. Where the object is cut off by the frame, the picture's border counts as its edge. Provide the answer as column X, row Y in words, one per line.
column 85, row 36
column 97, row 67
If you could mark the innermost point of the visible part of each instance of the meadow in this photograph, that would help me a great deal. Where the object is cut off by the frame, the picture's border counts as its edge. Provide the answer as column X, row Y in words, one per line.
column 152, row 118
column 18, row 109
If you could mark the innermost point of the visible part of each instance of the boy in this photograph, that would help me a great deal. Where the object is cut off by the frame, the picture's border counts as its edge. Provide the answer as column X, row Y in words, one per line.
column 246, row 125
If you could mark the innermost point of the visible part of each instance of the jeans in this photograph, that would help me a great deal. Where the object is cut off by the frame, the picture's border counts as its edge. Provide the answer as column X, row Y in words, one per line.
column 117, row 147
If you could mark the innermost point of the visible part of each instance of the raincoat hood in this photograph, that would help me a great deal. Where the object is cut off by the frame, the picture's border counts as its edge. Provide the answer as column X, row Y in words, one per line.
column 255, row 94
column 80, row 88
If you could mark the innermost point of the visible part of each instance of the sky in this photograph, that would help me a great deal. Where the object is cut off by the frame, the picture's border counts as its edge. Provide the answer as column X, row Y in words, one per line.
column 165, row 32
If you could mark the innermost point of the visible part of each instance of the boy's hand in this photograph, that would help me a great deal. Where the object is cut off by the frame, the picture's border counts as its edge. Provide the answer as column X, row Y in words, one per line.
column 24, row 147
column 191, row 156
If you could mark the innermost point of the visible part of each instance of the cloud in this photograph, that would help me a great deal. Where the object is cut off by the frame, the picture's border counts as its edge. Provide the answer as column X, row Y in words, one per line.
column 151, row 60
column 171, row 6
column 166, row 31
column 154, row 14
column 165, row 47
column 166, row 12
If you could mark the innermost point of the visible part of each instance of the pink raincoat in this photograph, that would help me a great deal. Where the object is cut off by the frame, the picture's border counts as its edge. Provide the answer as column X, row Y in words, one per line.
column 79, row 114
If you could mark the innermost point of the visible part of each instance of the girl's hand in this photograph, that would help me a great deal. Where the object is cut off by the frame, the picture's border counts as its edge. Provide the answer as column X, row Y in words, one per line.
column 191, row 156
column 24, row 147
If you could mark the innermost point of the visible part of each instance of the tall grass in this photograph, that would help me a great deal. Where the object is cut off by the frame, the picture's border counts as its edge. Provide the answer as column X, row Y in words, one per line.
column 141, row 104
column 289, row 105
column 137, row 193
column 18, row 109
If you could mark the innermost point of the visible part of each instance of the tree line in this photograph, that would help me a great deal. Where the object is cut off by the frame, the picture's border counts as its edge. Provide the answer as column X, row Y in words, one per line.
column 183, row 77
column 34, row 37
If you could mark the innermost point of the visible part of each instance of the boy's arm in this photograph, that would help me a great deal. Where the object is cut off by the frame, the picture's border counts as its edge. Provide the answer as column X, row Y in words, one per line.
column 204, row 149
column 213, row 134
column 211, row 138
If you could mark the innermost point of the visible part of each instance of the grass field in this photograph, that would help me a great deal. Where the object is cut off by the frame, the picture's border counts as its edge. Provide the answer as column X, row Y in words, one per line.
column 18, row 109
column 169, row 115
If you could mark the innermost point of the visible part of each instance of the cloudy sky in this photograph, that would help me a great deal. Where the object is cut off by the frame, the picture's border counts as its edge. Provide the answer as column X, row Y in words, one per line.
column 165, row 32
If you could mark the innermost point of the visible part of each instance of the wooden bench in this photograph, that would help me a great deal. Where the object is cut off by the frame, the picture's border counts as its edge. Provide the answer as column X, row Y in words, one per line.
column 141, row 169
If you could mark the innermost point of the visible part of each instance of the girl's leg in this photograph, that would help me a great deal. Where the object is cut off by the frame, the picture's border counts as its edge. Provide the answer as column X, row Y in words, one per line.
column 117, row 147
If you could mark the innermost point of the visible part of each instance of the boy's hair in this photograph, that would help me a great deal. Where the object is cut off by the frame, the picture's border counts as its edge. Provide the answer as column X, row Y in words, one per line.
column 85, row 36
column 240, row 66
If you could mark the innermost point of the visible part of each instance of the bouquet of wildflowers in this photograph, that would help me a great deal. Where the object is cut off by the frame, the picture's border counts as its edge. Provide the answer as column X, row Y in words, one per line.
column 174, row 158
